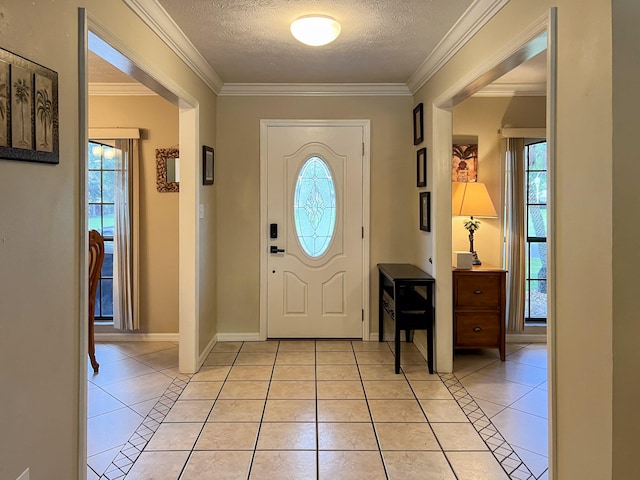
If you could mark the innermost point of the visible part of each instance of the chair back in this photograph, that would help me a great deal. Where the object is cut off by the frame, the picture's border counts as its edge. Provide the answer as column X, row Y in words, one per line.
column 96, row 258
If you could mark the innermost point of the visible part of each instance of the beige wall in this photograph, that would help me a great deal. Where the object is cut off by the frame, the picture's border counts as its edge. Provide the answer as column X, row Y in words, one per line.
column 392, row 189
column 482, row 117
column 626, row 232
column 582, row 322
column 42, row 239
column 158, row 282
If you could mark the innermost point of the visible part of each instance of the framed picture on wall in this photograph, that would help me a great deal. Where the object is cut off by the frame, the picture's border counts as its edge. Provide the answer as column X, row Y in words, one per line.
column 207, row 165
column 421, row 167
column 418, row 129
column 425, row 211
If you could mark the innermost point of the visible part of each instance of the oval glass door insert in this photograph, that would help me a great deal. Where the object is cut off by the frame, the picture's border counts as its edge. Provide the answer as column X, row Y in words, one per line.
column 314, row 207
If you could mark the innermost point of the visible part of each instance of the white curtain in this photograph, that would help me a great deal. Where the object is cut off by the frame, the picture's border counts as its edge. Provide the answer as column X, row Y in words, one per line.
column 515, row 235
column 123, row 305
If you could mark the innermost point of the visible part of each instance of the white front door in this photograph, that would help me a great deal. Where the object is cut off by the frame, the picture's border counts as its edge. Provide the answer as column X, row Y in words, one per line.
column 315, row 231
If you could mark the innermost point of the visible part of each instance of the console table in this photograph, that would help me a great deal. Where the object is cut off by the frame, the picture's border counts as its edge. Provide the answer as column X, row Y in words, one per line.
column 406, row 294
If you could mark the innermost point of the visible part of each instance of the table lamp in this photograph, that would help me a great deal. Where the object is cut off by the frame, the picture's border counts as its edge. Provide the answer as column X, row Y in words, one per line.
column 471, row 199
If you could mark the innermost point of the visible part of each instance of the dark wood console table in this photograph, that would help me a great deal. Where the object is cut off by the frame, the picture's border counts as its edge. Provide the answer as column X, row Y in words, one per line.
column 406, row 294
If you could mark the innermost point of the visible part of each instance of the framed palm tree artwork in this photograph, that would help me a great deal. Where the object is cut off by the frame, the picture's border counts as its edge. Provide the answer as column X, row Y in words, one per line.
column 28, row 110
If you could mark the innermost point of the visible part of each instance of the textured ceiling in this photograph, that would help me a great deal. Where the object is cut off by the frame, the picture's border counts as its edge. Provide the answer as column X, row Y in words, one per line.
column 382, row 41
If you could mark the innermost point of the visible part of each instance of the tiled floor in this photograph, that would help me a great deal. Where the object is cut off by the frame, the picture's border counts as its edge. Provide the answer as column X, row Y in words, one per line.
column 314, row 409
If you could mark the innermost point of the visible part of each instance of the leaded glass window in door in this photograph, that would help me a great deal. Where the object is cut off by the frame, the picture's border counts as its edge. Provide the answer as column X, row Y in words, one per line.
column 314, row 208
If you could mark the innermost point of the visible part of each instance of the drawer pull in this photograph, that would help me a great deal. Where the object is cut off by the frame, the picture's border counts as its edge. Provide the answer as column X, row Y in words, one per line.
column 477, row 292
column 477, row 329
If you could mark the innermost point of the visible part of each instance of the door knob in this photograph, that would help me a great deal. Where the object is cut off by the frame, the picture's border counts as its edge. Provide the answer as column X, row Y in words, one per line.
column 275, row 249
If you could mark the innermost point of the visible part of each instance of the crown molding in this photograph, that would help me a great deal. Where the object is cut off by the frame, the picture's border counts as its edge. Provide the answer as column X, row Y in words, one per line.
column 513, row 90
column 119, row 89
column 472, row 20
column 157, row 18
column 314, row 89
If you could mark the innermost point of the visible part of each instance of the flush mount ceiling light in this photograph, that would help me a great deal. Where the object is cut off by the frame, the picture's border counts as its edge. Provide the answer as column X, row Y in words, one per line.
column 315, row 30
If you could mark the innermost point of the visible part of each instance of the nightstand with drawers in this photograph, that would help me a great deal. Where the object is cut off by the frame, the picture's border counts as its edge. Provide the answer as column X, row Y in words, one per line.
column 479, row 298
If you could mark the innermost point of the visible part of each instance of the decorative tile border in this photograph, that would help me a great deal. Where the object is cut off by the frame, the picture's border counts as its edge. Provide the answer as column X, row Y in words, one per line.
column 135, row 445
column 504, row 453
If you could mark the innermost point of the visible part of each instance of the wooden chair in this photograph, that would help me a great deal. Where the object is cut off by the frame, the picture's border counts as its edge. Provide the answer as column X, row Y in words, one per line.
column 96, row 257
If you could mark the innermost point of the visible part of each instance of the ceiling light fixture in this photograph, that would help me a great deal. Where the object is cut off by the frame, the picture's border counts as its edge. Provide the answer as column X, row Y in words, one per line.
column 315, row 30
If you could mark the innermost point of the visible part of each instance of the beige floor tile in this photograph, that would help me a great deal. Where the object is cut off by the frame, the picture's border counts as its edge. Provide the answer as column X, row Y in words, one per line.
column 406, row 436
column 333, row 346
column 535, row 402
column 360, row 346
column 211, row 373
column 217, row 465
column 158, row 466
column 346, row 436
column 287, row 436
column 412, row 358
column 350, row 465
column 237, row 411
column 290, row 411
column 265, row 358
column 297, row 346
column 201, row 391
column 375, row 358
column 343, row 411
column 224, row 358
column 523, row 430
column 295, row 358
column 189, row 411
column 99, row 402
column 396, row 411
column 250, row 372
column 533, row 354
column 493, row 389
column 143, row 408
column 91, row 474
column 160, row 360
column 378, row 372
column 271, row 465
column 101, row 461
column 516, row 372
column 428, row 390
column 490, row 409
column 228, row 436
column 139, row 389
column 458, row 436
column 335, row 358
column 294, row 372
column 340, row 390
column 292, row 389
column 118, row 371
column 134, row 349
column 419, row 372
column 174, row 436
column 417, row 466
column 537, row 464
column 250, row 389
column 269, row 346
column 443, row 411
column 337, row 372
column 107, row 353
column 227, row 347
column 388, row 389
column 476, row 466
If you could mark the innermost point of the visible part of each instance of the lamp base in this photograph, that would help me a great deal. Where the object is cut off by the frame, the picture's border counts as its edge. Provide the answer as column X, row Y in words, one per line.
column 476, row 260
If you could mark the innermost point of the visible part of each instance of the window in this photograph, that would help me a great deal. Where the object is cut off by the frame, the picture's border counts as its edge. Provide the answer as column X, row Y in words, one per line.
column 101, row 185
column 314, row 207
column 536, row 232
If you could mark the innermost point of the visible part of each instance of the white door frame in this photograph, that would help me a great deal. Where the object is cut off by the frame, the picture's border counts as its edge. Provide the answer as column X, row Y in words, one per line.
column 366, row 181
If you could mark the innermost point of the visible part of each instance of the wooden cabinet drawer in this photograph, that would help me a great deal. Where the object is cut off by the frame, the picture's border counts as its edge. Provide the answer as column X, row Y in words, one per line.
column 477, row 329
column 473, row 291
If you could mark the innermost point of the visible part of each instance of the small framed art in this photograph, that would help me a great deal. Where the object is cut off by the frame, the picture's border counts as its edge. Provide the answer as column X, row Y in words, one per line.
column 421, row 167
column 418, row 129
column 207, row 165
column 425, row 211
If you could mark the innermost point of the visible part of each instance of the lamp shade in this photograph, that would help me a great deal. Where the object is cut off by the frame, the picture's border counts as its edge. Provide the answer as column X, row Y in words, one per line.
column 315, row 30
column 471, row 200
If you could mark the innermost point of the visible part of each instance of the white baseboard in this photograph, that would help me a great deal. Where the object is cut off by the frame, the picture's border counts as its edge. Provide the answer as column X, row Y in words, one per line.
column 238, row 337
column 526, row 338
column 207, row 351
column 137, row 337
